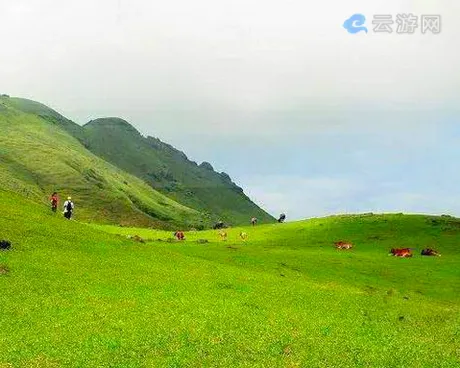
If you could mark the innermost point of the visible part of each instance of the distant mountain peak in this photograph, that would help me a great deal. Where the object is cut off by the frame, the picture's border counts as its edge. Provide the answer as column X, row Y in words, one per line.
column 207, row 166
column 112, row 122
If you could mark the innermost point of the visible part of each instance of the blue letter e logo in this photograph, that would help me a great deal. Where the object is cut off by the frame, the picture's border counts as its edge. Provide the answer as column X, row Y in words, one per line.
column 355, row 24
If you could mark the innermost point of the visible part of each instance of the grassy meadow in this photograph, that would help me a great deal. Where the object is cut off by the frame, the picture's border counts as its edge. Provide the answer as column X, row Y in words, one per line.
column 77, row 295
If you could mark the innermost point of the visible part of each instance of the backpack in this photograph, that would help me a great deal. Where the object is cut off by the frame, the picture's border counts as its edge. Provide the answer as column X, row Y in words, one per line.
column 69, row 206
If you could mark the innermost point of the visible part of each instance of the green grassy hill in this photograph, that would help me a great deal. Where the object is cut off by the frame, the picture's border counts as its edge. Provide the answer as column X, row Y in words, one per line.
column 38, row 157
column 44, row 112
column 74, row 296
column 160, row 165
column 171, row 172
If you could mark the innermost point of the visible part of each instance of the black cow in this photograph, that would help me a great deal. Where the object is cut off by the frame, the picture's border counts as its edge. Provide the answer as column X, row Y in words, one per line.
column 219, row 225
column 430, row 252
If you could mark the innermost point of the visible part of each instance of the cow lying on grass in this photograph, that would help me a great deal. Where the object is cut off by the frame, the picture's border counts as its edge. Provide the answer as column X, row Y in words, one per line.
column 430, row 252
column 343, row 245
column 401, row 252
column 179, row 235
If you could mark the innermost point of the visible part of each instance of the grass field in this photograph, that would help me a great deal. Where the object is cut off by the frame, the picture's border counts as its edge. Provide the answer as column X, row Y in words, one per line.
column 75, row 295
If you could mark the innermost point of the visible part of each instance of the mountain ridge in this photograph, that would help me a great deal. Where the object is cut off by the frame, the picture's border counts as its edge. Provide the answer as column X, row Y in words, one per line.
column 38, row 158
column 171, row 172
column 164, row 168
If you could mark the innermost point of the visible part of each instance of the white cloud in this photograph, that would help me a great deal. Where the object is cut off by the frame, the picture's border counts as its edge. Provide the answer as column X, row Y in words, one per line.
column 243, row 58
column 302, row 198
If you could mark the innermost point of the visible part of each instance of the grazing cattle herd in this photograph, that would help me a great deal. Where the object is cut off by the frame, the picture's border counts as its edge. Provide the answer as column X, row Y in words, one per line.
column 407, row 252
column 396, row 252
column 346, row 245
column 339, row 245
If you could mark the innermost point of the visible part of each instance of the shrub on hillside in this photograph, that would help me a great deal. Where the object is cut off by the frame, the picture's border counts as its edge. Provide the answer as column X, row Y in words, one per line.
column 5, row 245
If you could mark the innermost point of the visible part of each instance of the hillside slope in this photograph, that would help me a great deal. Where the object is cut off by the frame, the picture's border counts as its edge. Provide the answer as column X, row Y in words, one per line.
column 163, row 167
column 72, row 296
column 37, row 158
column 170, row 172
column 36, row 108
column 307, row 247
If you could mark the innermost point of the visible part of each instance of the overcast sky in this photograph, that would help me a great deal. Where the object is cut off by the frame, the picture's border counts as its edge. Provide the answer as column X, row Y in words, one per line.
column 309, row 119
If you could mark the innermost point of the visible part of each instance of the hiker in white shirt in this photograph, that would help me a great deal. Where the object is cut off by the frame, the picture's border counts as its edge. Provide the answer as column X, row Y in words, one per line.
column 68, row 208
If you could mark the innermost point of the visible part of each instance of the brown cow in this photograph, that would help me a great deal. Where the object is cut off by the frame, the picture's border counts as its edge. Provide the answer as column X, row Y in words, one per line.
column 179, row 235
column 430, row 252
column 343, row 245
column 401, row 252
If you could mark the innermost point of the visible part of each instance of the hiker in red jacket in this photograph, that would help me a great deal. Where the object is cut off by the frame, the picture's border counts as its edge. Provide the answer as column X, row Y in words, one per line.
column 54, row 199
